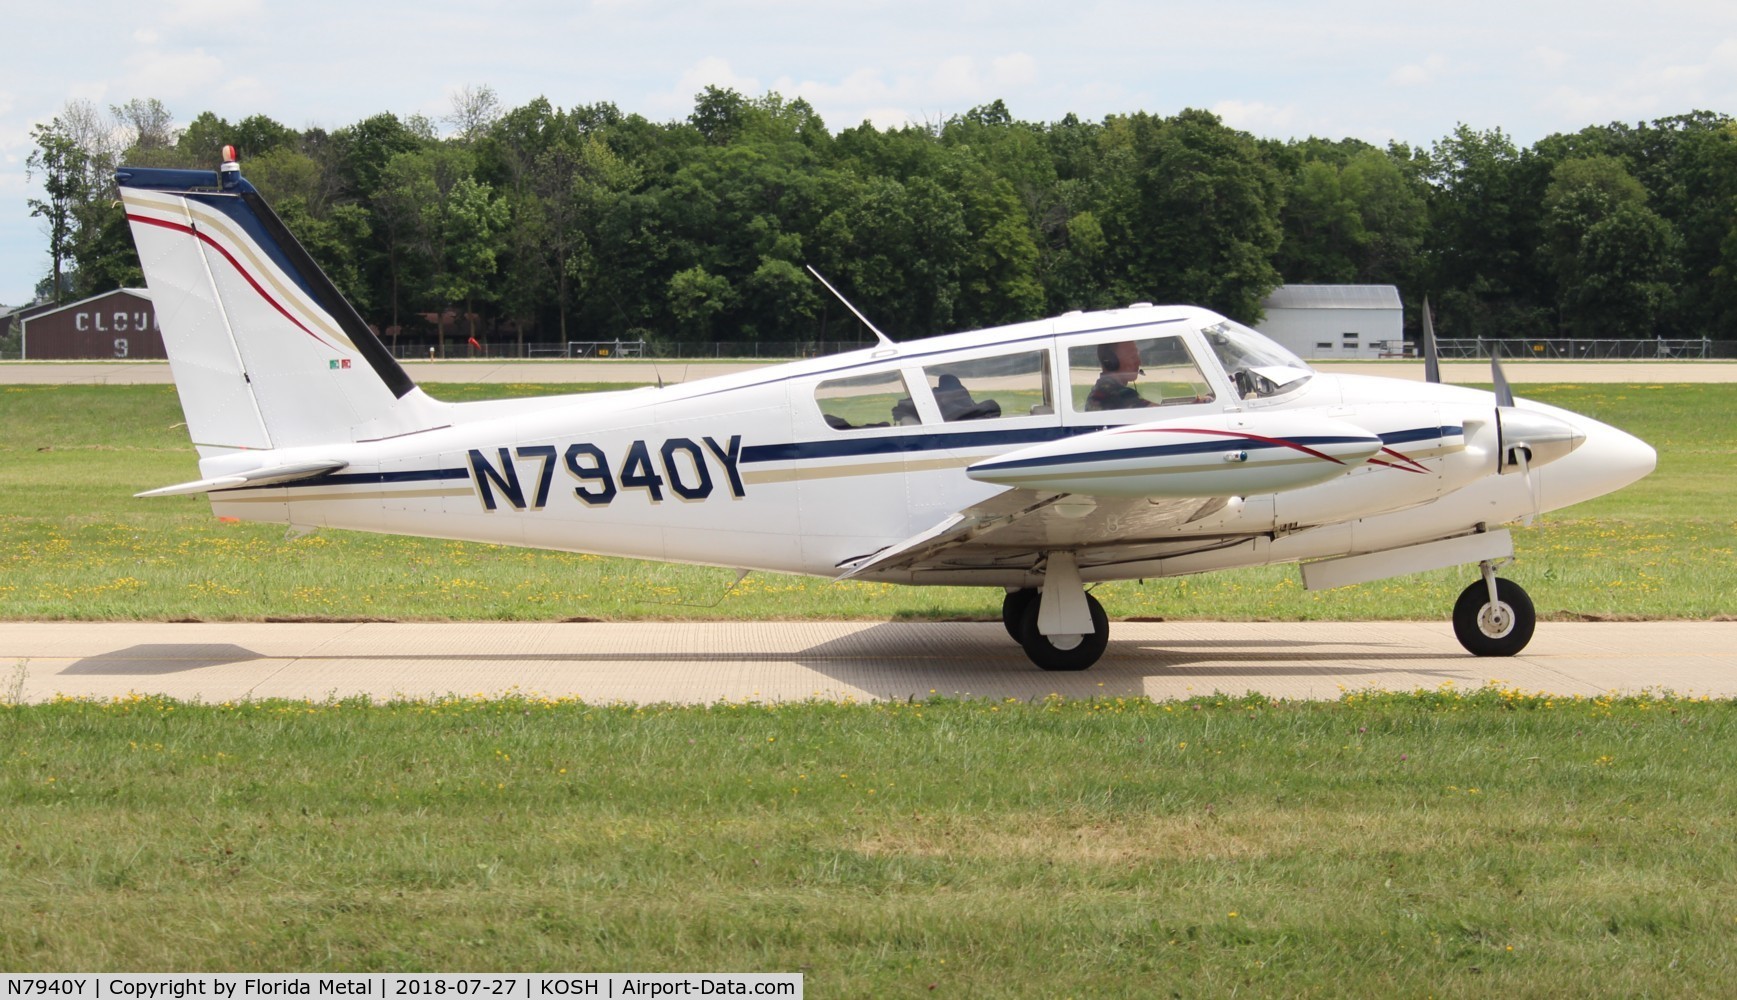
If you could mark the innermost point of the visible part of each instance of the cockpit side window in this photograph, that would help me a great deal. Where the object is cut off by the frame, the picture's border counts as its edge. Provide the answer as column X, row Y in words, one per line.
column 1135, row 374
column 1006, row 385
column 862, row 401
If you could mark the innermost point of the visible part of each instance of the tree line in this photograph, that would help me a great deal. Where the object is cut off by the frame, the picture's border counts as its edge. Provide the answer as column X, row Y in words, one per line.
column 544, row 224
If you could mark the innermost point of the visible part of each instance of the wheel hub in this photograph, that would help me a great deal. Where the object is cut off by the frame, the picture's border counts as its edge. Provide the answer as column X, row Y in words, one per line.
column 1496, row 620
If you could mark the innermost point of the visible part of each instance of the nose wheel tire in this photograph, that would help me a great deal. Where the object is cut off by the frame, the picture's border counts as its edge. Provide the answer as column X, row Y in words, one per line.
column 1500, row 629
column 1064, row 652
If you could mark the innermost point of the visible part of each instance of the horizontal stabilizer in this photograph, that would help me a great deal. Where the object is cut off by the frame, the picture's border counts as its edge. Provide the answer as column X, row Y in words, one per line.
column 268, row 476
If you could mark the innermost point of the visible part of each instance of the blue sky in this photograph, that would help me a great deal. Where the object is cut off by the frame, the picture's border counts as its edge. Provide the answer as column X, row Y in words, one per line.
column 1342, row 68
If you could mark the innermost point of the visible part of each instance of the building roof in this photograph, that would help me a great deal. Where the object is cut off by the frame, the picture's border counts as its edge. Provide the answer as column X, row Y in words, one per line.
column 1333, row 297
column 49, row 308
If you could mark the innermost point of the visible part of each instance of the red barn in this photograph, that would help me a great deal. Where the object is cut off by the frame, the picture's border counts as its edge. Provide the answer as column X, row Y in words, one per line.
column 117, row 324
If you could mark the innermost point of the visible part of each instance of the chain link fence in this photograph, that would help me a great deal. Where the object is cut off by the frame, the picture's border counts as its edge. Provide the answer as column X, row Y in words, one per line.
column 1587, row 350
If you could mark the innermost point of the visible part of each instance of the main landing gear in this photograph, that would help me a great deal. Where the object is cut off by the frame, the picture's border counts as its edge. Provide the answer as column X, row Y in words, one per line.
column 1064, row 651
column 1494, row 616
column 1061, row 627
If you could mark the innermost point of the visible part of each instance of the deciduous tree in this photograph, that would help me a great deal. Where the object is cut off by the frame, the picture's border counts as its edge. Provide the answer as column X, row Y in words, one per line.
column 61, row 164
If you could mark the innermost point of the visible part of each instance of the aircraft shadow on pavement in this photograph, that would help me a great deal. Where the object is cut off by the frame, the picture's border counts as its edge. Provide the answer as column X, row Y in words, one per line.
column 154, row 659
column 886, row 652
column 894, row 659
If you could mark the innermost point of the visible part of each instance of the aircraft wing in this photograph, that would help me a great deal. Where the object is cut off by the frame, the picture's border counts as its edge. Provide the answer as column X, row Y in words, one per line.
column 1014, row 528
column 1117, row 495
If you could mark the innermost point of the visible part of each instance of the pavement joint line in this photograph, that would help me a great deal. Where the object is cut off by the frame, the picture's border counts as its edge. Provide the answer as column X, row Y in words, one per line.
column 292, row 661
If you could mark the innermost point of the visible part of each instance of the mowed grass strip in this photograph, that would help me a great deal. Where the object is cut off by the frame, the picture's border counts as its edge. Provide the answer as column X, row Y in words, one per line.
column 1490, row 843
column 75, row 545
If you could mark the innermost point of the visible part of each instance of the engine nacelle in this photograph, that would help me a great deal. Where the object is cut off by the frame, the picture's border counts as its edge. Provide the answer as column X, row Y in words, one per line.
column 1230, row 454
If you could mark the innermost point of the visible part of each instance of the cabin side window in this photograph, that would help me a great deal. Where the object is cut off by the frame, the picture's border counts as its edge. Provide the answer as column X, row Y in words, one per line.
column 863, row 401
column 1006, row 385
column 1133, row 374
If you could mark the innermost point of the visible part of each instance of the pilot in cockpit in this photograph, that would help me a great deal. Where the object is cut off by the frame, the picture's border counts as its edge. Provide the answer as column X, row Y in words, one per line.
column 1115, row 389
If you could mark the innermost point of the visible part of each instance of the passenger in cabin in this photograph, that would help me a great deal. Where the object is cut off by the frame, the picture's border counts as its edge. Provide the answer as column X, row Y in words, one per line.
column 1115, row 389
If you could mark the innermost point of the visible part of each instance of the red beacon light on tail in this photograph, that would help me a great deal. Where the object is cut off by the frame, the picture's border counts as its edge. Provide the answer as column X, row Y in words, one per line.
column 229, row 173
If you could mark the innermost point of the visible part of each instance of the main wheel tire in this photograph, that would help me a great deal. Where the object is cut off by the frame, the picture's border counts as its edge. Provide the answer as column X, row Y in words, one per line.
column 1500, row 629
column 1013, row 611
column 1044, row 651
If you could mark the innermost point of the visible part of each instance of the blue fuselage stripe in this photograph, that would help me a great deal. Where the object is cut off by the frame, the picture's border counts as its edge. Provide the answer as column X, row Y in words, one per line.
column 798, row 451
column 856, row 447
column 381, row 478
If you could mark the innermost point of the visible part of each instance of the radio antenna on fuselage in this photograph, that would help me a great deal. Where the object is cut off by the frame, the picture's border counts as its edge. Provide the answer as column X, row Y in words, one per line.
column 885, row 340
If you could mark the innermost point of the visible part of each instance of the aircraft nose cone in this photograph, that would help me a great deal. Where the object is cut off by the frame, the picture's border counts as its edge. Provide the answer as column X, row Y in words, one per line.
column 1606, row 461
column 1628, row 455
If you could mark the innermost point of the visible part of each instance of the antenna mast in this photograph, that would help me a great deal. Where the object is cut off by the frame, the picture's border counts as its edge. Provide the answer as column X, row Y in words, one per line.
column 883, row 338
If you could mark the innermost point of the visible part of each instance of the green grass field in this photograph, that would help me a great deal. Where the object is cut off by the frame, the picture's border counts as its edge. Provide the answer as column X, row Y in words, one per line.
column 1434, row 844
column 74, row 544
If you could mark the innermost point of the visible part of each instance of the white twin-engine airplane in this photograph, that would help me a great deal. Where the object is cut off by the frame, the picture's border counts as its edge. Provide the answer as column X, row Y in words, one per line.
column 1040, row 458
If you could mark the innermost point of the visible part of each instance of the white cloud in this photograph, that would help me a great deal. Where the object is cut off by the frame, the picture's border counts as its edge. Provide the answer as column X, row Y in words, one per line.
column 203, row 12
column 955, row 78
column 1419, row 74
column 1256, row 117
column 1588, row 107
column 948, row 85
column 864, row 86
column 1548, row 59
column 169, row 75
column 883, row 118
column 94, row 91
column 711, row 71
column 1014, row 70
column 962, row 79
column 1683, row 74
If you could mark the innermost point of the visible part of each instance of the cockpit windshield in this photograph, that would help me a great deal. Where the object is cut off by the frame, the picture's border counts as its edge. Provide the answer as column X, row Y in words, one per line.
column 1256, row 366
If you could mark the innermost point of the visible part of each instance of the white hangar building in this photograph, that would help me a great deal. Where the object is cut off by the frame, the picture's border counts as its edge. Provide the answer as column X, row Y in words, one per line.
column 1336, row 321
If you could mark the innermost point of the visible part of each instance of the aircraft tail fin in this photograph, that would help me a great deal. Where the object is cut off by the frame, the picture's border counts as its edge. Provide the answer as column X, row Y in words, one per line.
column 265, row 352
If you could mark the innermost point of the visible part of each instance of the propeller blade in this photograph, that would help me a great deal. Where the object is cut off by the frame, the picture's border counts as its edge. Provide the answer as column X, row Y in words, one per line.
column 1431, row 360
column 1504, row 393
column 1531, row 482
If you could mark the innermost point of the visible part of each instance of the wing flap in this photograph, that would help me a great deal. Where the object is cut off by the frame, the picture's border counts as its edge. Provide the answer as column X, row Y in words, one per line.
column 1016, row 527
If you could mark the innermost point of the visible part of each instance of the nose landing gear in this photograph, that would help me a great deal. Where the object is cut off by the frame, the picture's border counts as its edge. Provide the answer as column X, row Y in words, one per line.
column 1494, row 616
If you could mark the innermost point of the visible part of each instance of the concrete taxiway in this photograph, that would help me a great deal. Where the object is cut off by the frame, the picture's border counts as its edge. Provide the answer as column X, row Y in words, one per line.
column 704, row 663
